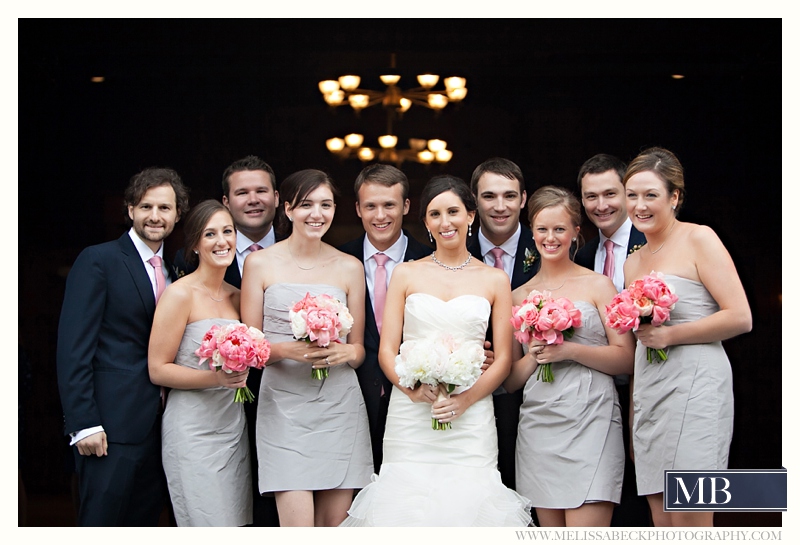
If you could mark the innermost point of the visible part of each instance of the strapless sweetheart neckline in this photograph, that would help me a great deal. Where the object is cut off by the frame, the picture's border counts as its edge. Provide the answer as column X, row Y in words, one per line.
column 445, row 301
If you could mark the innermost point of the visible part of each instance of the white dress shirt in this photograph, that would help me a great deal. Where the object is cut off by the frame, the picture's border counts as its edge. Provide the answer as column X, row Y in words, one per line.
column 509, row 247
column 243, row 246
column 620, row 239
column 396, row 253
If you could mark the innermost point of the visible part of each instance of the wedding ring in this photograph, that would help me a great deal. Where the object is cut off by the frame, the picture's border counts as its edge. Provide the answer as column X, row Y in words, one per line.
column 327, row 361
column 454, row 413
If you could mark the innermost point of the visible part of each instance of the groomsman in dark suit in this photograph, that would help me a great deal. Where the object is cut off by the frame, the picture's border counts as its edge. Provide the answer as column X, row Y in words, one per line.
column 502, row 241
column 250, row 192
column 112, row 411
column 381, row 202
column 603, row 198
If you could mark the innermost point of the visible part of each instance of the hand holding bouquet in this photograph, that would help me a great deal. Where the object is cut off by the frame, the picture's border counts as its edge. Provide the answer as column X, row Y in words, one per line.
column 546, row 319
column 646, row 301
column 320, row 319
column 441, row 361
column 234, row 348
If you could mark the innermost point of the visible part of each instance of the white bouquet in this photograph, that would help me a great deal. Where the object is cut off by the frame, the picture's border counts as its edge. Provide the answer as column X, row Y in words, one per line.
column 441, row 361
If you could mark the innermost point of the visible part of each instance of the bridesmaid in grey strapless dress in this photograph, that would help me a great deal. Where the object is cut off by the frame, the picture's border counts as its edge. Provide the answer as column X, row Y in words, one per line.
column 205, row 451
column 569, row 445
column 311, row 434
column 683, row 407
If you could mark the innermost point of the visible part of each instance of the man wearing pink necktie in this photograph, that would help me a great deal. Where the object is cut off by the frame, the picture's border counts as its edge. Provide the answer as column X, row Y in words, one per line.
column 603, row 198
column 250, row 192
column 111, row 409
column 381, row 202
column 504, row 242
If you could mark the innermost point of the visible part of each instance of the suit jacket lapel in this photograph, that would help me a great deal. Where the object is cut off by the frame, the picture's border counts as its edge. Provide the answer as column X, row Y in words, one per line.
column 370, row 327
column 133, row 262
column 636, row 238
column 232, row 275
column 520, row 276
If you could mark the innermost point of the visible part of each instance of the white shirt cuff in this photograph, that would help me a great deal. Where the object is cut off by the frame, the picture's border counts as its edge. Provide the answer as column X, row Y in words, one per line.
column 83, row 434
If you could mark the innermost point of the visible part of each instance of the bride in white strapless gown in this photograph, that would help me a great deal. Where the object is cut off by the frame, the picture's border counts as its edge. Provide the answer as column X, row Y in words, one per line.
column 443, row 477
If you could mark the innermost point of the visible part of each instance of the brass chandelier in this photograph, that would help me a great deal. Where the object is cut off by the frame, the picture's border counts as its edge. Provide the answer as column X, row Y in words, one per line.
column 395, row 101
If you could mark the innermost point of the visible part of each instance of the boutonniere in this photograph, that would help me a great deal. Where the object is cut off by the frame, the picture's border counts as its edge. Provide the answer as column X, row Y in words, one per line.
column 530, row 257
column 635, row 247
column 178, row 272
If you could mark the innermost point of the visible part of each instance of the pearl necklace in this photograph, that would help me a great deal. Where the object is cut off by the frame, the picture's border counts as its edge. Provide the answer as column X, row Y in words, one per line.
column 448, row 267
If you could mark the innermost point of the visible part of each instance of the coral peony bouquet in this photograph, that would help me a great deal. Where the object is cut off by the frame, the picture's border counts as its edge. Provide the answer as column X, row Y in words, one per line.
column 234, row 347
column 320, row 319
column 646, row 301
column 442, row 361
column 544, row 318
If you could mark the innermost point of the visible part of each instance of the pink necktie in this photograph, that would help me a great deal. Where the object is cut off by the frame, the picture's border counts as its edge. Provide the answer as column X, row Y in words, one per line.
column 380, row 288
column 254, row 247
column 161, row 282
column 608, row 266
column 498, row 257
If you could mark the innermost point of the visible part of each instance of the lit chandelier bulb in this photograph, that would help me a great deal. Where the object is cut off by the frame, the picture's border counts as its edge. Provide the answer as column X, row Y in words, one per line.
column 437, row 101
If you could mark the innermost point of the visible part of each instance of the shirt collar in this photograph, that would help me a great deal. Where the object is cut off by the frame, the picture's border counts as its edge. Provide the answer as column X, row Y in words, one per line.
column 509, row 246
column 395, row 252
column 144, row 250
column 620, row 236
column 243, row 242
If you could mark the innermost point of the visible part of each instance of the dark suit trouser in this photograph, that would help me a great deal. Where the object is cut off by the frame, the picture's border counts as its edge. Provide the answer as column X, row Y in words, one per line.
column 125, row 488
column 377, row 430
column 633, row 510
column 265, row 511
column 506, row 414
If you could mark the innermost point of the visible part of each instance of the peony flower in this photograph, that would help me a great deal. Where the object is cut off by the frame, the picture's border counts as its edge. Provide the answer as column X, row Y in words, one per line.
column 648, row 300
column 320, row 319
column 622, row 314
column 233, row 348
column 442, row 360
column 546, row 319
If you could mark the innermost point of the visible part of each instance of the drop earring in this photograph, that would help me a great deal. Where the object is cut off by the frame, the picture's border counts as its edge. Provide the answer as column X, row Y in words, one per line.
column 469, row 230
column 430, row 236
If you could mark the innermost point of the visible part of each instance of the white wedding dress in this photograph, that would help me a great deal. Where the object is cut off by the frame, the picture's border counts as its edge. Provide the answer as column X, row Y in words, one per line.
column 440, row 477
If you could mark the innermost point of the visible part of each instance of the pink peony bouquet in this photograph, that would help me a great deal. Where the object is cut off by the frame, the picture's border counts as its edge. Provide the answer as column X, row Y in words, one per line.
column 234, row 347
column 645, row 301
column 442, row 361
column 544, row 318
column 320, row 319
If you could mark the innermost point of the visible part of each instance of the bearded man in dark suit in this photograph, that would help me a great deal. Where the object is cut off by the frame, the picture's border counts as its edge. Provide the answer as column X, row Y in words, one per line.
column 112, row 411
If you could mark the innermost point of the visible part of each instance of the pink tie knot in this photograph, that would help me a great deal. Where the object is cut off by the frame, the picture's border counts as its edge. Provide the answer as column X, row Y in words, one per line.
column 498, row 257
column 380, row 259
column 254, row 247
